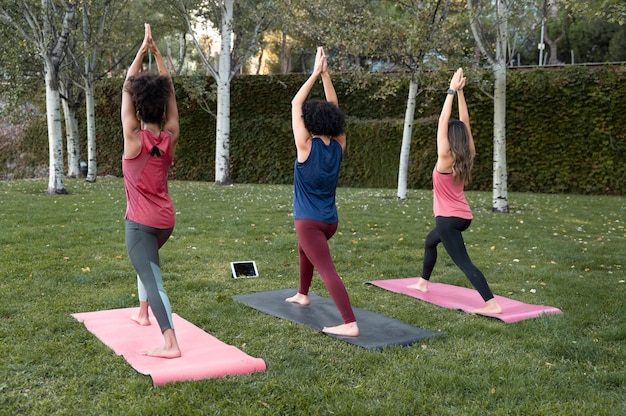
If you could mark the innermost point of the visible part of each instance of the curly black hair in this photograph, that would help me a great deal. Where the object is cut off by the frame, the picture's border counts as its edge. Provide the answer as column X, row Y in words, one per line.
column 149, row 92
column 323, row 118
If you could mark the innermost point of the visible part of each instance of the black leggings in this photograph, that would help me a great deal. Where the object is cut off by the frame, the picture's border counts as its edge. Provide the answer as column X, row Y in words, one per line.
column 448, row 231
column 143, row 244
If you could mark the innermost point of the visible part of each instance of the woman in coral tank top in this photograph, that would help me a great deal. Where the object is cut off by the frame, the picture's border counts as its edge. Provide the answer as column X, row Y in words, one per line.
column 453, row 215
column 150, row 125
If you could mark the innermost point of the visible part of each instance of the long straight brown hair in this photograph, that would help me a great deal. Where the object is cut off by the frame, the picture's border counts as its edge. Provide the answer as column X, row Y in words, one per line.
column 463, row 161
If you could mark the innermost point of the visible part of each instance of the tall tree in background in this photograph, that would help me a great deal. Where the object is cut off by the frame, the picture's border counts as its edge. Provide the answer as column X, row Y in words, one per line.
column 550, row 14
column 93, row 35
column 497, row 59
column 614, row 11
column 71, row 100
column 416, row 39
column 109, row 33
column 248, row 20
column 46, row 26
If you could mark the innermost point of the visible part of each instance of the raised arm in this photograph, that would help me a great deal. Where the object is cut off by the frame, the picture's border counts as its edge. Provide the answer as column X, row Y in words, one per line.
column 331, row 97
column 444, row 158
column 130, row 123
column 329, row 88
column 302, row 136
column 171, row 124
column 464, row 117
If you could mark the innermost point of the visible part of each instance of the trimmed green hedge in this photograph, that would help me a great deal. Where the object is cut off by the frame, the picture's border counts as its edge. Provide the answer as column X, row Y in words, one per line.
column 565, row 131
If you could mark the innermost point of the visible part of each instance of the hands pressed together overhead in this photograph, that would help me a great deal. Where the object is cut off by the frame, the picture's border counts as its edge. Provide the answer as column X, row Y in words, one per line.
column 321, row 64
column 458, row 80
column 148, row 42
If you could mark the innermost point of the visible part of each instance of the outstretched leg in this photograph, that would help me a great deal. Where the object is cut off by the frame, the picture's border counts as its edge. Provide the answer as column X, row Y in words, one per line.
column 451, row 229
column 430, row 259
column 143, row 245
column 306, row 277
column 313, row 238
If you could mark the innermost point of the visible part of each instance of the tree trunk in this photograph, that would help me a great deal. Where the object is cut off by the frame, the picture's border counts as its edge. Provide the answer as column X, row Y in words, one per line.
column 284, row 58
column 500, row 201
column 222, row 139
column 55, row 134
column 71, row 133
column 92, row 167
column 406, row 140
column 554, row 44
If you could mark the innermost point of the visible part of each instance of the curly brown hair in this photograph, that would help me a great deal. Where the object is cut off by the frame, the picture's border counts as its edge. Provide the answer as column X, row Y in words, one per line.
column 149, row 92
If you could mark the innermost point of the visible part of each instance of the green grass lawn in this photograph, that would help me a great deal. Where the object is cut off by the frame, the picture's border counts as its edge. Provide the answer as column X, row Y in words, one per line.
column 66, row 254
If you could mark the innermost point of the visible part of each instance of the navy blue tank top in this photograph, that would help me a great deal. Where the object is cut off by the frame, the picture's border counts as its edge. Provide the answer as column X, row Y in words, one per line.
column 315, row 183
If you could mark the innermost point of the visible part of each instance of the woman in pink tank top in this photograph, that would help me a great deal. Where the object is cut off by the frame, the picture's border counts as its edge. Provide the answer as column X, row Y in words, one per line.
column 151, row 128
column 453, row 215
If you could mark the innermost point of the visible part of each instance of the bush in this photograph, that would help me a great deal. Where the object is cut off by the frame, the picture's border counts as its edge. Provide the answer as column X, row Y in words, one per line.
column 564, row 130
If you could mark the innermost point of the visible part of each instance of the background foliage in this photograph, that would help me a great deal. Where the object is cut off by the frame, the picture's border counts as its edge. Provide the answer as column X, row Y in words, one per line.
column 564, row 131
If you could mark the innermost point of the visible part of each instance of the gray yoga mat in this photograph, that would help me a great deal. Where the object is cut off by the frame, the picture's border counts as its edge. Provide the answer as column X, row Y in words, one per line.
column 376, row 331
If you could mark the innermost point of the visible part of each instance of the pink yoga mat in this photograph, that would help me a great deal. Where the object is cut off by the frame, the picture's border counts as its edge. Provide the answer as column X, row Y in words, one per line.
column 468, row 300
column 203, row 356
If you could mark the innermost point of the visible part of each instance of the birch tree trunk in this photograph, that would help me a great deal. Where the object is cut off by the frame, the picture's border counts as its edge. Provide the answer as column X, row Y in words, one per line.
column 71, row 134
column 225, row 70
column 90, row 107
column 405, row 149
column 35, row 24
column 91, row 42
column 222, row 133
column 52, row 60
column 55, row 135
column 500, row 199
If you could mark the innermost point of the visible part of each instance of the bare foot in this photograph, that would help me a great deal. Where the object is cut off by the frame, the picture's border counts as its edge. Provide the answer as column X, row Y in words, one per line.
column 299, row 298
column 163, row 352
column 169, row 349
column 421, row 285
column 142, row 317
column 348, row 330
column 492, row 307
column 141, row 320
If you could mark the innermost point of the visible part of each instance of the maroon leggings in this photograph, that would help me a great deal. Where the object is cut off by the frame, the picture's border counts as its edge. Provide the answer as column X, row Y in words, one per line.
column 314, row 253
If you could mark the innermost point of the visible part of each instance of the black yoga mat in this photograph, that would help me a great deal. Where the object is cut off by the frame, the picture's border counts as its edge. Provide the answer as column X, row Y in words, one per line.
column 376, row 331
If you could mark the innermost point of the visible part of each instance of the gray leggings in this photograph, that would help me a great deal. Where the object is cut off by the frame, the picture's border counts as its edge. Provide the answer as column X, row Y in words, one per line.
column 143, row 244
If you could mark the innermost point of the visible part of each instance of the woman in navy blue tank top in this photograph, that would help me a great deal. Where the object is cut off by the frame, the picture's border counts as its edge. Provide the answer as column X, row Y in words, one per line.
column 318, row 129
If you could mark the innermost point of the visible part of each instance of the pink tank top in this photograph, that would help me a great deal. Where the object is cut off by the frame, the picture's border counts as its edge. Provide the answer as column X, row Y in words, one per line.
column 449, row 198
column 145, row 178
